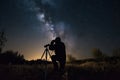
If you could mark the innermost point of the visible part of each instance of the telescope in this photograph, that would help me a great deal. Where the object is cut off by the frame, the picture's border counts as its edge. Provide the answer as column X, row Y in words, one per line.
column 46, row 45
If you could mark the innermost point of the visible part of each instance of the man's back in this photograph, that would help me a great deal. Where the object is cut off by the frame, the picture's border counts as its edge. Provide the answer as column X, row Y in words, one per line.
column 60, row 49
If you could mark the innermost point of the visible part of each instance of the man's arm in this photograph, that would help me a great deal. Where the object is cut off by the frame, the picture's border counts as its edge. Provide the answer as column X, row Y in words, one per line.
column 52, row 46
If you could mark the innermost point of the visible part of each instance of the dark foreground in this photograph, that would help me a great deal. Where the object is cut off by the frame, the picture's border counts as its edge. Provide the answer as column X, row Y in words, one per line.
column 87, row 71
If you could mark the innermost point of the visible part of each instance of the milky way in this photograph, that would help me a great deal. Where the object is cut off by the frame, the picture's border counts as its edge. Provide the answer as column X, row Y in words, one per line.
column 50, row 28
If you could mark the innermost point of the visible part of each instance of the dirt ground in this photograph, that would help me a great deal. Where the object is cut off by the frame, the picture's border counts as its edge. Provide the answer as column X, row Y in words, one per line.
column 88, row 71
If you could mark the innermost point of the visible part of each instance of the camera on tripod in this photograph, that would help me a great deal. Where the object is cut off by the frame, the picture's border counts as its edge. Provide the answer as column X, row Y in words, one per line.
column 47, row 45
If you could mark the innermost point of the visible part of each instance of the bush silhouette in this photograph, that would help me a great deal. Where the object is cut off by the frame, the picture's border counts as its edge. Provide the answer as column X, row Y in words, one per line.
column 2, row 40
column 97, row 53
column 10, row 57
column 71, row 58
column 116, row 52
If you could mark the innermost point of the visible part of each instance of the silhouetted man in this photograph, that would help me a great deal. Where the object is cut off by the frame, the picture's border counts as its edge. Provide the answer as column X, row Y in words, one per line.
column 60, row 54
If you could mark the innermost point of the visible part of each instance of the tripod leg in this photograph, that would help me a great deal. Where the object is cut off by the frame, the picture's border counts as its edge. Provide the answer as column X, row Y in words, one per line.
column 46, row 64
column 46, row 55
column 43, row 54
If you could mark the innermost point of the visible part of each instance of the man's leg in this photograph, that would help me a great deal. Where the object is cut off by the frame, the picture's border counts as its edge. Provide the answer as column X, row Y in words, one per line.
column 55, row 64
column 62, row 65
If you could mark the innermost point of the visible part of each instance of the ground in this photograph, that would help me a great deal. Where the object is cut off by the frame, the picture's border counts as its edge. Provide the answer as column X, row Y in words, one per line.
column 84, row 71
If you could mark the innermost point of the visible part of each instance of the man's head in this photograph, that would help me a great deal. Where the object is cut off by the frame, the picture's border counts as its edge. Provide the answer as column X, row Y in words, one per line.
column 57, row 40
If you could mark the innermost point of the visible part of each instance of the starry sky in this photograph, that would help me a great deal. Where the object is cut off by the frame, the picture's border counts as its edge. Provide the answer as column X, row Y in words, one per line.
column 82, row 25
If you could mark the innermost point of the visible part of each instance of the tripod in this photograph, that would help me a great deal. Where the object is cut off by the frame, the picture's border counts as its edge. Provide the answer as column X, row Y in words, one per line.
column 46, row 53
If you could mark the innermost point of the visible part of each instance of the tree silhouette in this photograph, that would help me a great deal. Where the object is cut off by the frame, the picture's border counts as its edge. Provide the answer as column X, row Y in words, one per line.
column 97, row 53
column 71, row 58
column 3, row 40
column 116, row 52
column 11, row 57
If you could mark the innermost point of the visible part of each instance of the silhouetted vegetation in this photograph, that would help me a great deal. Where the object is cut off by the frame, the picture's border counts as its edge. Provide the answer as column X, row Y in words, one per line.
column 71, row 58
column 37, row 62
column 89, row 69
column 97, row 53
column 116, row 52
column 10, row 57
column 3, row 40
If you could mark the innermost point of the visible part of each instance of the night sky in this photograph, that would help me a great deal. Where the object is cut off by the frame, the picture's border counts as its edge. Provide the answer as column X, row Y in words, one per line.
column 82, row 25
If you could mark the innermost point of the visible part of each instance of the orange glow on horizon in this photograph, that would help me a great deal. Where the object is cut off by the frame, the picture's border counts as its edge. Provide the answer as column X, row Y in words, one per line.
column 37, row 55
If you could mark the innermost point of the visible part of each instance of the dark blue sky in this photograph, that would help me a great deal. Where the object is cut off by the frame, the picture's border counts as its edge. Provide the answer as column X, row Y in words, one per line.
column 82, row 24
